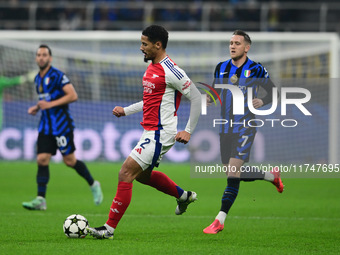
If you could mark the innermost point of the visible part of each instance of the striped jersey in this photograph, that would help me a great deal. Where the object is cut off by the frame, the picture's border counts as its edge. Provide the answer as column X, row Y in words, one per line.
column 56, row 120
column 250, row 74
column 163, row 83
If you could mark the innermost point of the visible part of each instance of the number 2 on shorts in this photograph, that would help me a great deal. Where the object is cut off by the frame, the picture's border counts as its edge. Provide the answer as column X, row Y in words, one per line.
column 147, row 141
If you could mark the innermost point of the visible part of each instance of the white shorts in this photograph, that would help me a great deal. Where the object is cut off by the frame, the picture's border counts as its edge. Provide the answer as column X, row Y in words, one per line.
column 151, row 147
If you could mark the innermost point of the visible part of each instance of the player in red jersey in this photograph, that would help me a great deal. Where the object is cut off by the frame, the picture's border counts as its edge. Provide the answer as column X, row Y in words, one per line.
column 164, row 83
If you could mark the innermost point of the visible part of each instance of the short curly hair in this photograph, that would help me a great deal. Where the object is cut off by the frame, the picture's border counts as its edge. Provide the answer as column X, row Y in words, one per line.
column 157, row 33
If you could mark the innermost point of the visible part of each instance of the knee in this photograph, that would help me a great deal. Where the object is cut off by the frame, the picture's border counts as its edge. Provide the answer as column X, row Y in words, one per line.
column 125, row 176
column 70, row 162
column 43, row 160
column 129, row 171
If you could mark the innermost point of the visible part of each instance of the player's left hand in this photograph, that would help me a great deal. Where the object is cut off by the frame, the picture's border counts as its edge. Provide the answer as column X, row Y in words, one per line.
column 43, row 105
column 257, row 103
column 183, row 137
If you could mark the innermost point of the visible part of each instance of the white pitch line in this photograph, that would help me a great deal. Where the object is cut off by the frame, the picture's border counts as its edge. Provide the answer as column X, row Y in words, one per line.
column 87, row 215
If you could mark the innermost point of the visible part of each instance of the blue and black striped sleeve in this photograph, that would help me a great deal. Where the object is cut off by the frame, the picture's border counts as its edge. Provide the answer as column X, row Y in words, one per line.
column 267, row 84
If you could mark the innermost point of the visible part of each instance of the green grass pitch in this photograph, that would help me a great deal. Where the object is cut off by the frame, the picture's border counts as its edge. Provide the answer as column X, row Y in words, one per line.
column 304, row 219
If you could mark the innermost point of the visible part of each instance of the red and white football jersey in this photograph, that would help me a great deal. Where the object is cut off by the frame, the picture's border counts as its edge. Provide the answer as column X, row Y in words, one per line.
column 163, row 83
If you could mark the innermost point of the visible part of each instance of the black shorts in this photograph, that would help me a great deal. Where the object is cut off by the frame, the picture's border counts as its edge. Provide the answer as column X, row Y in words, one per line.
column 50, row 144
column 236, row 145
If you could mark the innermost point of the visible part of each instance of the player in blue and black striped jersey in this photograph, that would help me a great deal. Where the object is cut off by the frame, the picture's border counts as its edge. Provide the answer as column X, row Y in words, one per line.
column 56, row 127
column 237, row 135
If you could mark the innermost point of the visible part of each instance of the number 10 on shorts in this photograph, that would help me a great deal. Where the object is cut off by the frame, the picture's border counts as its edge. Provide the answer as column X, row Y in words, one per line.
column 61, row 141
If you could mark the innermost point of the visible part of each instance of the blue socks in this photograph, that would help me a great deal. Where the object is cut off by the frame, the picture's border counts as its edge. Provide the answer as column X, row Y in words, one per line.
column 43, row 177
column 230, row 194
column 83, row 171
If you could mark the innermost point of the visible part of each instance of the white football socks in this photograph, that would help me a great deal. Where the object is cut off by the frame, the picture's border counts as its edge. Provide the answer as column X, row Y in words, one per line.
column 268, row 176
column 109, row 228
column 221, row 217
column 184, row 196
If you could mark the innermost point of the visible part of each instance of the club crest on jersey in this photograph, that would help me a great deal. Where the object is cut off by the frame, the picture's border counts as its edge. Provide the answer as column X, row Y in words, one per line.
column 234, row 78
column 247, row 73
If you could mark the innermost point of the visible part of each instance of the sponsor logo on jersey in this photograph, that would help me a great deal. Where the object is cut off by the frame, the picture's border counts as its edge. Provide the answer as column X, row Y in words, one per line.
column 243, row 88
column 155, row 76
column 148, row 86
column 247, row 73
column 45, row 96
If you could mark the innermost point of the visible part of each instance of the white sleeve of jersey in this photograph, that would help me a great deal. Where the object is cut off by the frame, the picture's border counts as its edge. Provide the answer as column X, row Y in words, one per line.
column 134, row 108
column 195, row 108
column 189, row 90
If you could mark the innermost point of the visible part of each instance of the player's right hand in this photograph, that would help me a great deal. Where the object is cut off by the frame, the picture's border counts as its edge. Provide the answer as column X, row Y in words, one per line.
column 118, row 111
column 183, row 137
column 33, row 110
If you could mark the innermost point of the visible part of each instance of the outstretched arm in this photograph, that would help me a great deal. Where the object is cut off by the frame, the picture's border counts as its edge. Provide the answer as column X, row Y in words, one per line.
column 119, row 111
column 8, row 82
column 12, row 81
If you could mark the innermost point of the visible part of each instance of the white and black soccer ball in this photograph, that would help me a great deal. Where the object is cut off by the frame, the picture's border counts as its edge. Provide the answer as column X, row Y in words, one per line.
column 75, row 226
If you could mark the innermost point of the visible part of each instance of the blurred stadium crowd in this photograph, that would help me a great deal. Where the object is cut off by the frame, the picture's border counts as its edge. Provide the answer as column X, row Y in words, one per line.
column 196, row 15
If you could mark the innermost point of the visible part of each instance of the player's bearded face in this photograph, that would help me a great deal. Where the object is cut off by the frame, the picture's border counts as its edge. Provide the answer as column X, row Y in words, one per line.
column 43, row 64
column 148, row 48
column 43, row 58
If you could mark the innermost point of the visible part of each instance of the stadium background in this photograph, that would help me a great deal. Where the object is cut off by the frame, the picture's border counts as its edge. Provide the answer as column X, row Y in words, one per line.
column 106, row 69
column 97, row 44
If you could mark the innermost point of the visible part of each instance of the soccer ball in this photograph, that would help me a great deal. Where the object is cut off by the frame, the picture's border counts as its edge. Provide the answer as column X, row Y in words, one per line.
column 75, row 226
